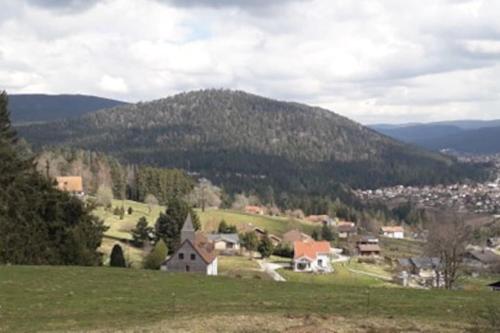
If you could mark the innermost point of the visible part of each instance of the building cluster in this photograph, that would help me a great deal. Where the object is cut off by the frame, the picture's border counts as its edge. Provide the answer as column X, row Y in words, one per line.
column 478, row 198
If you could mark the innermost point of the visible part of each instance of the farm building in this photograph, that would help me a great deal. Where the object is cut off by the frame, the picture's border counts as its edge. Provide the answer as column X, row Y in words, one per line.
column 368, row 246
column 195, row 254
column 397, row 232
column 295, row 235
column 481, row 259
column 346, row 229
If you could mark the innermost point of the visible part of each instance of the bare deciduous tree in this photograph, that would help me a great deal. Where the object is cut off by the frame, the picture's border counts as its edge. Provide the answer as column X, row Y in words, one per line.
column 104, row 196
column 151, row 201
column 448, row 239
column 205, row 194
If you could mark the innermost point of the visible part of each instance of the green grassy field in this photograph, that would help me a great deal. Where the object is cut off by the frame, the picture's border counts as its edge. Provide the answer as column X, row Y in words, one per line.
column 77, row 298
column 210, row 220
column 240, row 267
column 341, row 276
column 121, row 228
column 401, row 248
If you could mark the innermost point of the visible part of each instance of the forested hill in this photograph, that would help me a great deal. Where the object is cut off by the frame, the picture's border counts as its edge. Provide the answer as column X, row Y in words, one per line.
column 249, row 142
column 29, row 108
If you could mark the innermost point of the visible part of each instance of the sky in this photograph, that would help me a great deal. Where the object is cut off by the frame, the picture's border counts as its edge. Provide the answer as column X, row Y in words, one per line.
column 374, row 61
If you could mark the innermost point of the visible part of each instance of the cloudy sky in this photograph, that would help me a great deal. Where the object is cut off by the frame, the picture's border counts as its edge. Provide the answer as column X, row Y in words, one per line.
column 373, row 61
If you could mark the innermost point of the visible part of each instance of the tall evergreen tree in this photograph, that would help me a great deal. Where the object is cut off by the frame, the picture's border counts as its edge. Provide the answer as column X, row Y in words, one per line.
column 38, row 223
column 168, row 226
column 117, row 259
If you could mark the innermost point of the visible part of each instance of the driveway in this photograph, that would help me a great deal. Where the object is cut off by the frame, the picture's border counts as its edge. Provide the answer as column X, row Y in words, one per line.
column 270, row 268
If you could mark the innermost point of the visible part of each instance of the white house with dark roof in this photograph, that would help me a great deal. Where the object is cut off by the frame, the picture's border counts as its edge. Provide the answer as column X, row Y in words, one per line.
column 195, row 254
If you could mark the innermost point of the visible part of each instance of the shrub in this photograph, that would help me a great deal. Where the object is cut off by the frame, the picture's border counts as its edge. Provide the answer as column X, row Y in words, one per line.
column 283, row 251
column 156, row 257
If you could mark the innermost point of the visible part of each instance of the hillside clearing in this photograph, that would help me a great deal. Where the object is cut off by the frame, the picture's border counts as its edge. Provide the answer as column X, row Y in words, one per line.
column 79, row 298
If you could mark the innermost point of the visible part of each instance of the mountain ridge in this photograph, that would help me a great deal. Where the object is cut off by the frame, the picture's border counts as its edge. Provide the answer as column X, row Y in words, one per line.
column 242, row 140
column 30, row 108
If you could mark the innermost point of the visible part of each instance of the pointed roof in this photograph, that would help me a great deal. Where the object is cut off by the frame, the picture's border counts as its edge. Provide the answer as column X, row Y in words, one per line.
column 188, row 224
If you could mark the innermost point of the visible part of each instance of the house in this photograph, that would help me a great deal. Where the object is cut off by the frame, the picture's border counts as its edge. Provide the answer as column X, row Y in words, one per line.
column 261, row 233
column 73, row 184
column 495, row 286
column 226, row 243
column 368, row 246
column 195, row 254
column 311, row 256
column 425, row 270
column 254, row 210
column 295, row 235
column 481, row 259
column 346, row 229
column 393, row 232
column 369, row 249
column 323, row 219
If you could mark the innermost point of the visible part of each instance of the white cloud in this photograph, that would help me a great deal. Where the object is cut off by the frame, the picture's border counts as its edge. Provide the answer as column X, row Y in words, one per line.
column 113, row 84
column 371, row 60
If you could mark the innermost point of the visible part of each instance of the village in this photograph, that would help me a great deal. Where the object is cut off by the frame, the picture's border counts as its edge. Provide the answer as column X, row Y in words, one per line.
column 250, row 243
column 479, row 198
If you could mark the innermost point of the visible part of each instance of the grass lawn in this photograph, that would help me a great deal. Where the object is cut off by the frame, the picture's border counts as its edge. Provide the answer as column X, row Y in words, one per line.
column 210, row 220
column 478, row 283
column 133, row 255
column 401, row 248
column 121, row 228
column 240, row 267
column 79, row 298
column 340, row 277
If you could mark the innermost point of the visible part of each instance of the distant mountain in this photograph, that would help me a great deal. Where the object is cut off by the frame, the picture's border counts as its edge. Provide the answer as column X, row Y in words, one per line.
column 462, row 124
column 41, row 108
column 478, row 141
column 468, row 136
column 247, row 142
column 419, row 133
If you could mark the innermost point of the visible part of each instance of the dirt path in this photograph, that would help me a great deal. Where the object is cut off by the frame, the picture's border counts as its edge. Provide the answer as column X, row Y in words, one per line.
column 270, row 269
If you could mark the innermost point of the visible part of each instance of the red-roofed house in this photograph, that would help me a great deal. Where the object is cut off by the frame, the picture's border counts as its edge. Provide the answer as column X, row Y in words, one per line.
column 311, row 256
column 254, row 210
column 72, row 184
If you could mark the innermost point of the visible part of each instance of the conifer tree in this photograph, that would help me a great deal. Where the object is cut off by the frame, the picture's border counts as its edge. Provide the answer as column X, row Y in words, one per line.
column 38, row 223
column 117, row 259
column 168, row 226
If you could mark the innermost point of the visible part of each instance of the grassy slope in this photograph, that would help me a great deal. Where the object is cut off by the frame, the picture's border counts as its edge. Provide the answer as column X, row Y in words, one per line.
column 210, row 219
column 275, row 225
column 401, row 248
column 68, row 298
column 341, row 277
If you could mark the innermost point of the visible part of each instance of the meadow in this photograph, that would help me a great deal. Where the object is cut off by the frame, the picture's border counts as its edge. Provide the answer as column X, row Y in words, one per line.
column 109, row 299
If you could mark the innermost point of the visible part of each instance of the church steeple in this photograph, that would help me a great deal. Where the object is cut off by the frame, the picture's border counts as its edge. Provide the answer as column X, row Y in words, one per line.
column 188, row 231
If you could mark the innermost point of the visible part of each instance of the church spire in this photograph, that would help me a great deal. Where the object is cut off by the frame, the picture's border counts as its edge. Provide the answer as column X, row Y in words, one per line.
column 188, row 231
